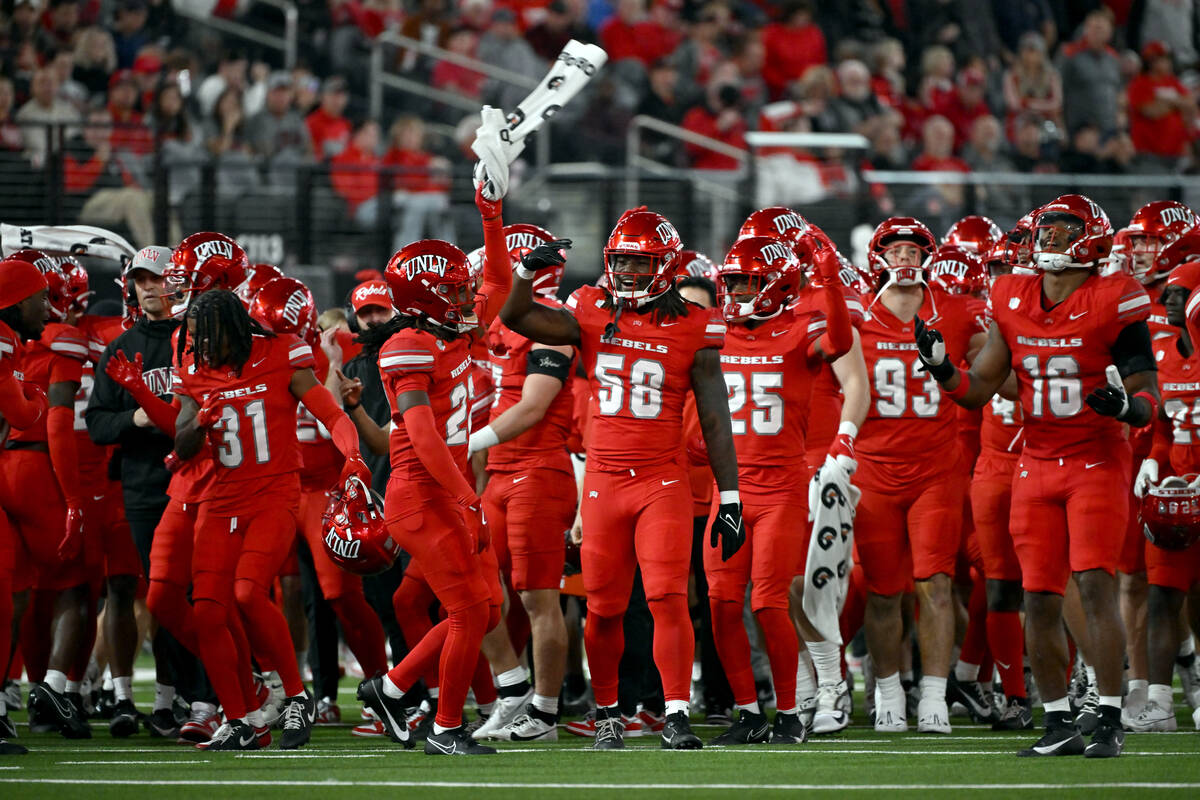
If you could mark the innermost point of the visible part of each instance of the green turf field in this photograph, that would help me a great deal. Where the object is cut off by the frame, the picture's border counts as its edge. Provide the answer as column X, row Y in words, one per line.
column 973, row 761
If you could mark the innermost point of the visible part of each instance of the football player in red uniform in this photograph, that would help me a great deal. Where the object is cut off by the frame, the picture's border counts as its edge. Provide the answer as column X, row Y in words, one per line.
column 974, row 234
column 1079, row 345
column 909, row 520
column 643, row 348
column 772, row 356
column 23, row 315
column 240, row 393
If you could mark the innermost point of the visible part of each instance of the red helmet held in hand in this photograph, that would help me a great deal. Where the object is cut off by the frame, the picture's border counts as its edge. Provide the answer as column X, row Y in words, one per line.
column 354, row 532
column 760, row 276
column 431, row 279
column 1170, row 513
column 204, row 261
column 642, row 256
column 285, row 305
column 522, row 237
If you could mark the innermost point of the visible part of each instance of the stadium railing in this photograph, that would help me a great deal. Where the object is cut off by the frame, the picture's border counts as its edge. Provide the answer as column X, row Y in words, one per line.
column 286, row 44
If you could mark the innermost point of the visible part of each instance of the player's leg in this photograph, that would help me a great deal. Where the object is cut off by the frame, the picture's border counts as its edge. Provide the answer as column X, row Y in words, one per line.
column 8, row 562
column 1171, row 574
column 1132, row 594
column 122, row 568
column 727, row 581
column 171, row 572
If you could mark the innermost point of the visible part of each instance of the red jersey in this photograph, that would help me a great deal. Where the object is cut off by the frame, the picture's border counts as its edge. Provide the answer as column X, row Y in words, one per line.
column 1060, row 355
column 1002, row 433
column 254, row 438
column 910, row 428
column 57, row 357
column 1179, row 382
column 639, row 379
column 1157, row 320
column 544, row 444
column 320, row 460
column 483, row 385
column 770, row 377
column 416, row 360
column 825, row 413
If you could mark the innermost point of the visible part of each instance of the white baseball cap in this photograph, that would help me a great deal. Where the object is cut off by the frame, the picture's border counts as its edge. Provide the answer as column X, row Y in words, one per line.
column 153, row 258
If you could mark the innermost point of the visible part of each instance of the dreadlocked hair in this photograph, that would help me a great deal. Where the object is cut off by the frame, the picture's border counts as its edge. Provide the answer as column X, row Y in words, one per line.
column 224, row 332
column 373, row 338
column 669, row 305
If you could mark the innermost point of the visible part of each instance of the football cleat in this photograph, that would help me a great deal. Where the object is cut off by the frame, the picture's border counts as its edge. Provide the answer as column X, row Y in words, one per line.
column 1135, row 700
column 721, row 717
column 807, row 710
column 233, row 736
column 390, row 711
column 8, row 728
column 829, row 718
column 476, row 723
column 1089, row 714
column 933, row 715
column 1107, row 742
column 891, row 718
column 57, row 709
column 422, row 727
column 608, row 729
column 677, row 732
column 1187, row 667
column 504, row 711
column 587, row 726
column 328, row 712
column 12, row 696
column 12, row 749
column 789, row 729
column 264, row 736
column 272, row 698
column 201, row 725
column 973, row 697
column 748, row 728
column 1062, row 738
column 651, row 722
column 1015, row 716
column 298, row 717
column 161, row 724
column 455, row 742
column 370, row 727
column 528, row 728
column 1152, row 718
column 124, row 721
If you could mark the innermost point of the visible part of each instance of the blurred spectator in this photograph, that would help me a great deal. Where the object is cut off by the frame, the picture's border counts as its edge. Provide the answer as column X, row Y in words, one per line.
column 327, row 127
column 23, row 25
column 600, row 132
column 306, row 88
column 887, row 146
column 10, row 132
column 633, row 33
column 749, row 56
column 699, row 54
column 278, row 131
column 69, row 89
column 354, row 173
column 1017, row 17
column 1092, row 70
column 561, row 24
column 1082, row 156
column 720, row 117
column 815, row 93
column 128, row 133
column 936, row 87
column 869, row 21
column 984, row 150
column 663, row 102
column 230, row 74
column 148, row 73
column 1032, row 84
column 129, row 30
column 60, row 26
column 887, row 72
column 456, row 78
column 1029, row 150
column 45, row 107
column 1162, row 112
column 857, row 107
column 431, row 23
column 793, row 44
column 1172, row 22
column 168, row 116
column 478, row 15
column 503, row 46
column 967, row 104
column 113, row 197
column 418, row 169
column 95, row 59
column 937, row 154
column 226, row 137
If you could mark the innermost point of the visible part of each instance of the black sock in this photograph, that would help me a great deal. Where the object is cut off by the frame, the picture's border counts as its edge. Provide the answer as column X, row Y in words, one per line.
column 516, row 690
column 544, row 716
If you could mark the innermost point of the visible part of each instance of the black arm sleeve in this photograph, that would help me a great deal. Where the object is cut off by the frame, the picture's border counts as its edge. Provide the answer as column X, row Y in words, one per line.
column 108, row 416
column 548, row 362
column 1132, row 352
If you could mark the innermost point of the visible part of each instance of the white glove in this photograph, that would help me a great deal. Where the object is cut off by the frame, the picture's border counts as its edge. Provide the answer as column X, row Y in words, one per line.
column 494, row 153
column 1147, row 476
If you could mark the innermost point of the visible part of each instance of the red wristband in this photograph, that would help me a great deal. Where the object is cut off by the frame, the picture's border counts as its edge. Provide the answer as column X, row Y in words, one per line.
column 964, row 385
column 1149, row 398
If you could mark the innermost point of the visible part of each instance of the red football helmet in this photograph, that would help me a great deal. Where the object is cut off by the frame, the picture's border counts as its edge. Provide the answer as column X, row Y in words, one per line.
column 201, row 262
column 1153, row 227
column 77, row 284
column 257, row 276
column 958, row 272
column 976, row 234
column 522, row 237
column 431, row 279
column 285, row 305
column 1070, row 232
column 776, row 222
column 697, row 265
column 475, row 266
column 648, row 235
column 896, row 232
column 54, row 270
column 1170, row 513
column 761, row 275
column 354, row 532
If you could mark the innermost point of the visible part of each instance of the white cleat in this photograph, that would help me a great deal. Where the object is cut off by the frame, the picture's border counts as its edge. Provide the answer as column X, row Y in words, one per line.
column 1135, row 701
column 527, row 728
column 890, row 718
column 504, row 711
column 933, row 716
column 1152, row 718
column 829, row 717
column 1189, row 678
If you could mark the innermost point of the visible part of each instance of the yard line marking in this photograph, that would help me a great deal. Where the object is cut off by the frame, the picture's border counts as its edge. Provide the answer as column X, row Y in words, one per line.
column 125, row 762
column 311, row 755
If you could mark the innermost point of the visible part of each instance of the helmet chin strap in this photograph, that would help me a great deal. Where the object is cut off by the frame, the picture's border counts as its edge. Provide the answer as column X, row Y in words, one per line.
column 772, row 315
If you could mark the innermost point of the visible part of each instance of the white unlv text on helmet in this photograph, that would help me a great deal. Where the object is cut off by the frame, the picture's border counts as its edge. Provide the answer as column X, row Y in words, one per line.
column 666, row 232
column 775, row 250
column 1172, row 214
column 786, row 222
column 522, row 239
column 342, row 548
column 950, row 266
column 213, row 247
column 425, row 263
column 291, row 309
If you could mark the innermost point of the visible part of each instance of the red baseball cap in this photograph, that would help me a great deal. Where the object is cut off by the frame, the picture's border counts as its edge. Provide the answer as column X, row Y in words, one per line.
column 18, row 281
column 370, row 293
column 1154, row 49
column 119, row 77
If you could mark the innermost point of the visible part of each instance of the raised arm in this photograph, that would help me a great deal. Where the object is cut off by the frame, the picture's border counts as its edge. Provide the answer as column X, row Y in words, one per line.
column 497, row 271
column 532, row 320
column 839, row 332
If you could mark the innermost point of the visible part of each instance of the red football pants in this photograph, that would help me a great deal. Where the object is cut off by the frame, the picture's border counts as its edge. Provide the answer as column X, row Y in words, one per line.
column 528, row 513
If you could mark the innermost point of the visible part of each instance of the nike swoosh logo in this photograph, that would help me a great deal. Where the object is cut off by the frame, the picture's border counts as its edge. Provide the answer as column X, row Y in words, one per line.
column 244, row 742
column 1053, row 747
column 667, row 324
column 447, row 750
column 63, row 710
column 777, row 333
column 1076, row 316
column 759, row 732
column 1089, row 466
column 257, row 363
column 1001, row 664
column 518, row 480
column 516, row 737
column 400, row 728
column 98, row 497
column 669, row 483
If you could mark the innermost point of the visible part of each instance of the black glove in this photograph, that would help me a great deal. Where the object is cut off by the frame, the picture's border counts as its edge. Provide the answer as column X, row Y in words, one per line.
column 546, row 254
column 931, row 349
column 1110, row 400
column 729, row 528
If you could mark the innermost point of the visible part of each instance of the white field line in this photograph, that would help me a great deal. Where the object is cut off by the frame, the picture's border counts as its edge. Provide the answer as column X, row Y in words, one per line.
column 592, row 787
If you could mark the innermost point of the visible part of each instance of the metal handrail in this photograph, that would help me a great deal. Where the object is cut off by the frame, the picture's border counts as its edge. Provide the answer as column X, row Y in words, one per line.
column 1030, row 179
column 846, row 141
column 442, row 54
column 637, row 162
column 286, row 44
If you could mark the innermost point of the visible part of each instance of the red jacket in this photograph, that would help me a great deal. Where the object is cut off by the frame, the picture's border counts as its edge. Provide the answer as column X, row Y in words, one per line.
column 354, row 185
column 789, row 52
column 701, row 120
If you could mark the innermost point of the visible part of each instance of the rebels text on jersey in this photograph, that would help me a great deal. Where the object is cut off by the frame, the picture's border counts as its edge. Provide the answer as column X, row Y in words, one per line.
column 908, row 418
column 770, row 378
column 254, row 436
column 639, row 379
column 415, row 360
column 1060, row 355
column 57, row 357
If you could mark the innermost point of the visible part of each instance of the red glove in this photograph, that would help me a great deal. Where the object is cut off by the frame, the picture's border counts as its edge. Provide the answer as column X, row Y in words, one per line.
column 476, row 524
column 127, row 374
column 488, row 209
column 173, row 462
column 208, row 416
column 35, row 394
column 842, row 448
column 697, row 450
column 72, row 542
column 827, row 266
column 355, row 467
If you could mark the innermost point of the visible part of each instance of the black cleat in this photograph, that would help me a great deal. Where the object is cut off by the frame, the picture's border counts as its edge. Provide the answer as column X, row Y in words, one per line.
column 1088, row 717
column 161, row 724
column 610, row 730
column 677, row 733
column 455, row 742
column 789, row 729
column 971, row 694
column 390, row 711
column 235, row 736
column 424, row 729
column 1062, row 738
column 58, row 710
column 8, row 728
column 1016, row 716
column 299, row 712
column 12, row 749
column 124, row 720
column 750, row 728
column 1107, row 742
column 105, row 704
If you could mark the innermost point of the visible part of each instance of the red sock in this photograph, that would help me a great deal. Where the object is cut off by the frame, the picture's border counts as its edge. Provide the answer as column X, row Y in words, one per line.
column 604, row 639
column 267, row 630
column 16, row 664
column 975, row 642
column 220, row 656
column 855, row 608
column 1007, row 642
column 518, row 624
column 460, row 654
column 363, row 632
column 422, row 658
column 783, row 650
column 733, row 648
column 6, row 617
column 169, row 604
column 482, row 684
column 674, row 645
column 411, row 602
column 986, row 670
